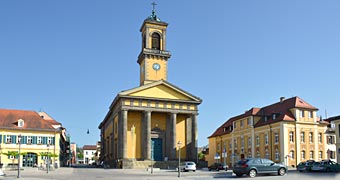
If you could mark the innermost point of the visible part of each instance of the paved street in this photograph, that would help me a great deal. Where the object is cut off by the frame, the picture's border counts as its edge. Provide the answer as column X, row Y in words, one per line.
column 129, row 174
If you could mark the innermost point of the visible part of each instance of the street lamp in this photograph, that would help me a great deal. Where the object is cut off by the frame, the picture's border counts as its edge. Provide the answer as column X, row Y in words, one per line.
column 48, row 158
column 179, row 158
column 19, row 142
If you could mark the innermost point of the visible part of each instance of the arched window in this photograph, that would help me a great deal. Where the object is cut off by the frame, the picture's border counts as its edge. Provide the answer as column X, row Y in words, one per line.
column 292, row 154
column 303, row 154
column 156, row 41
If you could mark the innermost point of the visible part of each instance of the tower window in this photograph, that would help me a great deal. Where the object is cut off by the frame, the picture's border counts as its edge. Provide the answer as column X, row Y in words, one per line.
column 156, row 41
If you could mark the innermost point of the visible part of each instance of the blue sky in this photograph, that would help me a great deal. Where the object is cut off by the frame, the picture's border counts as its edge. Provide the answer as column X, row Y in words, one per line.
column 71, row 58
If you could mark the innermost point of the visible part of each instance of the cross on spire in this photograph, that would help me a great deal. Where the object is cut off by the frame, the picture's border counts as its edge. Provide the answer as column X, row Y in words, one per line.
column 153, row 6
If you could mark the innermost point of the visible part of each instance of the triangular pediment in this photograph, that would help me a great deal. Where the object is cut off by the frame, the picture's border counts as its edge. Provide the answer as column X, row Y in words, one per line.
column 160, row 90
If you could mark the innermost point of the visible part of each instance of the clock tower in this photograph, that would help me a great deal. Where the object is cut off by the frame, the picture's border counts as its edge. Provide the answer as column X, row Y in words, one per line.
column 153, row 57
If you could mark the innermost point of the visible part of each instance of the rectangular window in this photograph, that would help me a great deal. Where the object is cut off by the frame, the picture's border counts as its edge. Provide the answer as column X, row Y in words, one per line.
column 234, row 125
column 29, row 139
column 249, row 142
column 310, row 137
column 277, row 155
column 242, row 143
column 276, row 138
column 302, row 137
column 8, row 139
column 249, row 121
column 310, row 114
column 320, row 155
column 302, row 154
column 320, row 138
column 241, row 123
column 302, row 113
column 311, row 155
column 39, row 141
column 257, row 140
column 266, row 139
column 291, row 136
column 49, row 140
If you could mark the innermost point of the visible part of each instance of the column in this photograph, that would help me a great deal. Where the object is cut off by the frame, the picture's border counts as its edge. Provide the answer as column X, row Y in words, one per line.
column 189, row 139
column 147, row 140
column 173, row 143
column 122, row 133
column 194, row 138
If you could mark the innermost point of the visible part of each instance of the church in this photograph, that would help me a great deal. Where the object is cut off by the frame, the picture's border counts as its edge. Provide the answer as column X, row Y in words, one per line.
column 156, row 121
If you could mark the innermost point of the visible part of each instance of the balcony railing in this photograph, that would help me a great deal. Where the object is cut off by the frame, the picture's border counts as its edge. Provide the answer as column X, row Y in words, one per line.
column 156, row 52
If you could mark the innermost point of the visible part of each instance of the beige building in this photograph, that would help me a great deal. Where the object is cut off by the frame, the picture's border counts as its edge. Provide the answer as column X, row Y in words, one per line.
column 288, row 131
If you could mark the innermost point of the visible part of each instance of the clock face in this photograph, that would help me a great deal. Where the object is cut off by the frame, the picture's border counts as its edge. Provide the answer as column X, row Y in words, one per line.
column 156, row 66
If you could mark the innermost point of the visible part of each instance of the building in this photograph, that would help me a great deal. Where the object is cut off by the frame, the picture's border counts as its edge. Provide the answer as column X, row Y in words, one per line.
column 34, row 134
column 97, row 154
column 288, row 131
column 89, row 154
column 333, row 139
column 153, row 120
column 74, row 153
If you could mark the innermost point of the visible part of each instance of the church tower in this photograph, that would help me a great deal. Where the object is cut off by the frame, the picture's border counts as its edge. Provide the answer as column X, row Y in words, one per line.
column 153, row 57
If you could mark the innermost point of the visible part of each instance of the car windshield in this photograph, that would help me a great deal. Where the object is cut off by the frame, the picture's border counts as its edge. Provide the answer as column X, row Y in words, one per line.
column 190, row 163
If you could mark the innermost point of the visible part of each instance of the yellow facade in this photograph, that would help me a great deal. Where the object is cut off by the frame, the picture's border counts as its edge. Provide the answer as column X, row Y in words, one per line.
column 149, row 121
column 289, row 135
column 29, row 149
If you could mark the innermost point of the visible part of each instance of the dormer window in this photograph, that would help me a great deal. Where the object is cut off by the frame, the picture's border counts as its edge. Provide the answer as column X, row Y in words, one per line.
column 20, row 123
column 265, row 119
column 274, row 116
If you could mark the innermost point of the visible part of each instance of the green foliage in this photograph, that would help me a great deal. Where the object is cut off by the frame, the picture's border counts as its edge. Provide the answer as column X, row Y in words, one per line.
column 48, row 154
column 201, row 156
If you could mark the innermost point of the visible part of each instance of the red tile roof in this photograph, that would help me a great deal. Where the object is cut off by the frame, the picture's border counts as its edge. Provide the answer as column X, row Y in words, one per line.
column 281, row 109
column 90, row 147
column 32, row 120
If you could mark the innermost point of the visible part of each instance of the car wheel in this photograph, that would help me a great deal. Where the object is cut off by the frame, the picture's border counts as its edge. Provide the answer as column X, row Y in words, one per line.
column 282, row 171
column 209, row 169
column 238, row 175
column 252, row 173
column 193, row 170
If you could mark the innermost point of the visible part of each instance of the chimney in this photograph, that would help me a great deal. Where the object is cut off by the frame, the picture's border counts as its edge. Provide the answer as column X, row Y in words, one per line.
column 282, row 99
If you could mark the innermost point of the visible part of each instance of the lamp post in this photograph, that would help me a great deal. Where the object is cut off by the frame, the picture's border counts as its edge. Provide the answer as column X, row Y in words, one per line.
column 48, row 158
column 19, row 142
column 179, row 158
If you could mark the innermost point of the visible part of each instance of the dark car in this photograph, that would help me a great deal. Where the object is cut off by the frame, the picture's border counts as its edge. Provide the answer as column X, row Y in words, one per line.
column 305, row 166
column 218, row 166
column 255, row 166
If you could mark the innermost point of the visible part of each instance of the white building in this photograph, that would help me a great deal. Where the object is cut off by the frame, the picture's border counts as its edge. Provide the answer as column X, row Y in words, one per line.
column 89, row 154
column 333, row 140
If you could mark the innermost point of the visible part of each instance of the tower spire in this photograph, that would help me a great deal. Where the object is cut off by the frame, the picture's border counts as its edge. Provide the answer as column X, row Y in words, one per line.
column 153, row 15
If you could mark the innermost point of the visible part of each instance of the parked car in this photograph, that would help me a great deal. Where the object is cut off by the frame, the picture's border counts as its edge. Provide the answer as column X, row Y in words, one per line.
column 188, row 166
column 217, row 167
column 305, row 166
column 255, row 166
column 328, row 165
column 318, row 166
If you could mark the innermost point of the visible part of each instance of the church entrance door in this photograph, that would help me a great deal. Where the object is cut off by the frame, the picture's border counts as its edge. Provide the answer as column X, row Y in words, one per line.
column 157, row 149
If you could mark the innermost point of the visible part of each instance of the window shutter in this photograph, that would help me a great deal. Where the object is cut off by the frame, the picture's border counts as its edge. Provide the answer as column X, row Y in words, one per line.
column 0, row 138
column 53, row 140
column 34, row 139
column 5, row 139
column 44, row 140
column 14, row 139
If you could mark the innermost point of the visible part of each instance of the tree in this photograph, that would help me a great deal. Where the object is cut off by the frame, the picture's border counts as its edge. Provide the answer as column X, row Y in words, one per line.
column 201, row 156
column 14, row 154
